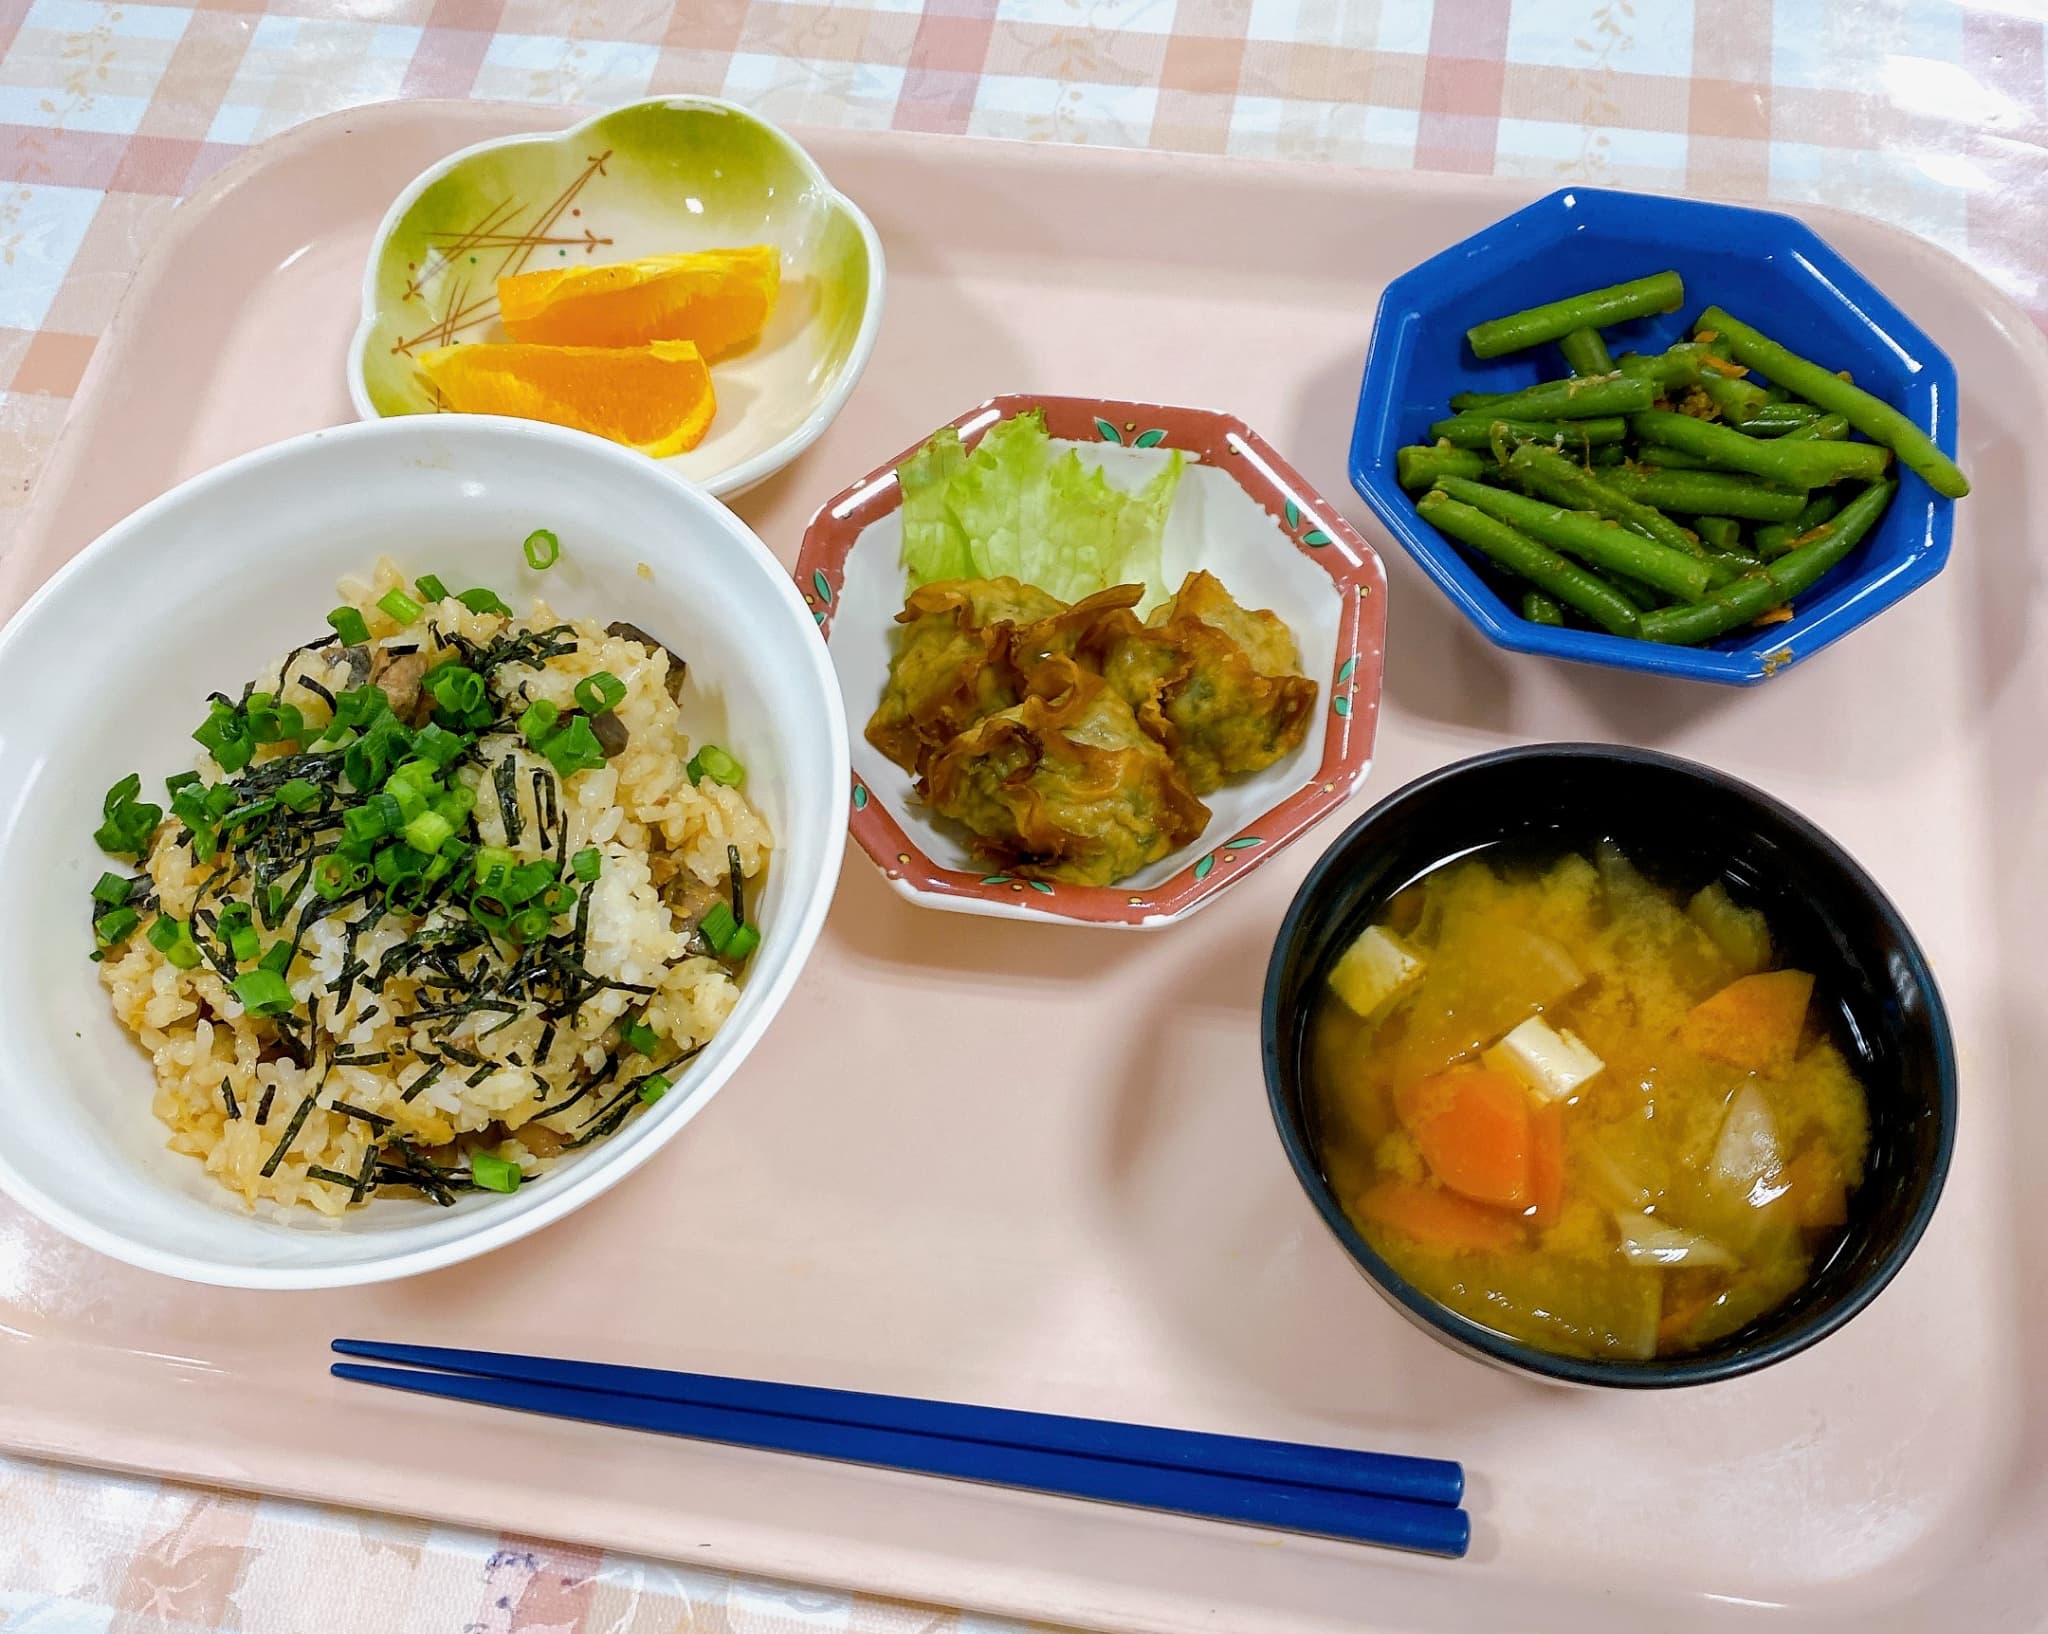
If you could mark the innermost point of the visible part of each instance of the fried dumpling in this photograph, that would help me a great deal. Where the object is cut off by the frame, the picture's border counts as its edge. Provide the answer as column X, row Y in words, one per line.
column 1217, row 684
column 952, row 663
column 1064, row 785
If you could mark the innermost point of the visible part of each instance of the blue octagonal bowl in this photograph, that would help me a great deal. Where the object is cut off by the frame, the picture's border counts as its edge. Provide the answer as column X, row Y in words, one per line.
column 1766, row 268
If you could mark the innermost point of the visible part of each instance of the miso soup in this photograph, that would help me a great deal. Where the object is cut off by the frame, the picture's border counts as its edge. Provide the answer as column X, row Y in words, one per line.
column 1590, row 1112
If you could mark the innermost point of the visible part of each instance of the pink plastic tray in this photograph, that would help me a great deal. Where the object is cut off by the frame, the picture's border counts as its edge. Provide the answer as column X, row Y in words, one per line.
column 1033, row 1166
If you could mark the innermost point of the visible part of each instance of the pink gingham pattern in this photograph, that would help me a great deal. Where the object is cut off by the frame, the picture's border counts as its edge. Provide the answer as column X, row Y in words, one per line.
column 1927, row 113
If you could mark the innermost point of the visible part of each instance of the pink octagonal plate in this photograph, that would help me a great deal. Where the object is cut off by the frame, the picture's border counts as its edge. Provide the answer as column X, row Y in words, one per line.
column 1241, row 512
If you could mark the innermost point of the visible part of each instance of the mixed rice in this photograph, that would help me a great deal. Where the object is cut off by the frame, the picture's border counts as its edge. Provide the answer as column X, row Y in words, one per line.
column 448, row 895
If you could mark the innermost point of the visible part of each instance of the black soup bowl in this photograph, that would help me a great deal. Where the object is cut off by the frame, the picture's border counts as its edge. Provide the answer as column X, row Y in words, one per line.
column 1689, row 825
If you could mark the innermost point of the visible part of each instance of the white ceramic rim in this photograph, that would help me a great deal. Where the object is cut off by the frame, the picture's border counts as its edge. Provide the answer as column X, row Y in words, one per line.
column 608, row 1165
column 735, row 479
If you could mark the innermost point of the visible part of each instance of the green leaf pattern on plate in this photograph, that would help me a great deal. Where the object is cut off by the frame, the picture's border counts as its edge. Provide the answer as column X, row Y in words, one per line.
column 1350, row 664
column 860, row 797
column 1244, row 842
column 1107, row 432
column 818, row 583
column 1149, row 439
column 1202, row 868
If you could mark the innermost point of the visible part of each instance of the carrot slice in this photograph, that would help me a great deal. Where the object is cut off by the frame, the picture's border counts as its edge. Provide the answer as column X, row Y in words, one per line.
column 1546, row 1163
column 1472, row 1124
column 1813, row 1185
column 1438, row 1218
column 1753, row 1023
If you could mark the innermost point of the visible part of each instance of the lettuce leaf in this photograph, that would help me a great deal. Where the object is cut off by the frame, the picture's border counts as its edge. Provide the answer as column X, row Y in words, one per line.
column 934, row 547
column 1012, row 510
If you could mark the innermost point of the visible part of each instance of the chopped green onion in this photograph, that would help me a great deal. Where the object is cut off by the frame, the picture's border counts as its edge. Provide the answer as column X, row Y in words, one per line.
column 422, row 775
column 481, row 601
column 111, row 890
column 365, row 822
column 532, row 923
column 298, row 794
column 543, row 550
column 493, row 866
column 741, row 944
column 358, row 706
column 714, row 763
column 455, row 688
column 437, row 745
column 559, row 897
column 220, row 800
column 263, row 992
column 640, row 1038
column 270, row 721
column 488, row 912
column 411, row 802
column 396, row 863
column 430, row 586
column 456, row 802
column 537, row 720
column 494, row 1173
column 113, row 927
column 129, row 822
column 350, row 626
column 653, row 1087
column 399, row 605
column 428, row 832
column 587, row 864
column 527, row 881
column 237, row 927
column 171, row 938
column 179, row 780
column 599, row 692
column 573, row 748
column 277, row 958
column 718, row 927
column 335, row 876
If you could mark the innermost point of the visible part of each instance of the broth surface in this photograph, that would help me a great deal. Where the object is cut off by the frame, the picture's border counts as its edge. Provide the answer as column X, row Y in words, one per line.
column 1659, row 1155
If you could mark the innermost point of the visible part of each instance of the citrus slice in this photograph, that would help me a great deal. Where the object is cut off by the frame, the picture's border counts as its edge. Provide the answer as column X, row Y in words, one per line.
column 717, row 298
column 655, row 398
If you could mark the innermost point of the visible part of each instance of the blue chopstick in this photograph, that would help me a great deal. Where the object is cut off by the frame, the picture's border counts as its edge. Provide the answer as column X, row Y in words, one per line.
column 1370, row 1474
column 1434, row 1529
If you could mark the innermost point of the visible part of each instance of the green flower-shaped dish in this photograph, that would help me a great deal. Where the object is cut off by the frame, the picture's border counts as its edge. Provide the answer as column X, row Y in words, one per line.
column 660, row 177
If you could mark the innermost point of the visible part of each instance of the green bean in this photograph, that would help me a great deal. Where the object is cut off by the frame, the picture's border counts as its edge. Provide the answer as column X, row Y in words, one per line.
column 1872, row 416
column 1670, row 459
column 1550, row 475
column 1585, row 352
column 1592, row 539
column 1476, row 430
column 1718, row 532
column 1419, row 467
column 1541, row 566
column 1639, row 298
column 1606, row 453
column 1580, row 398
column 1758, row 592
column 1675, row 366
column 1708, row 493
column 1538, row 608
column 1725, row 566
column 1781, row 419
column 1738, row 400
column 1796, row 465
column 1775, row 540
column 1639, row 596
column 1829, row 428
column 1463, row 402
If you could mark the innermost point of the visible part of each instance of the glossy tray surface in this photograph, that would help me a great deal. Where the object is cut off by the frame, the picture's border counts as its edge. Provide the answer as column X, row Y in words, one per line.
column 1032, row 1166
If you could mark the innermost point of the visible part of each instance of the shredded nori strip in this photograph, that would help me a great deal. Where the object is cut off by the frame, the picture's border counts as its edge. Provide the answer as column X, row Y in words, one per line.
column 227, row 1095
column 291, row 1133
column 362, row 1184
column 459, row 1055
column 333, row 1177
column 739, row 885
column 547, row 1042
column 541, row 780
column 263, row 1106
column 480, row 1075
column 505, row 779
column 422, row 1081
column 376, row 1120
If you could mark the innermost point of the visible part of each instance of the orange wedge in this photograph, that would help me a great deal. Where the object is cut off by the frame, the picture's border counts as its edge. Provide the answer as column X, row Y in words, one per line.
column 654, row 398
column 717, row 298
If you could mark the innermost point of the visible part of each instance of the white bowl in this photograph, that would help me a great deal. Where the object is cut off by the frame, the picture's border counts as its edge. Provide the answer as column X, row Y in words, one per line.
column 110, row 664
column 670, row 174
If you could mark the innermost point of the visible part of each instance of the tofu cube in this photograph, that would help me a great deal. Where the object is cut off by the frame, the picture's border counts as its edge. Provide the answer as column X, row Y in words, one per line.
column 1551, row 1063
column 1374, row 971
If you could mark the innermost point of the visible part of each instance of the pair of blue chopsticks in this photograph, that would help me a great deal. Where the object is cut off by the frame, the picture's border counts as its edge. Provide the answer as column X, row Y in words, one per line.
column 1361, row 1497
